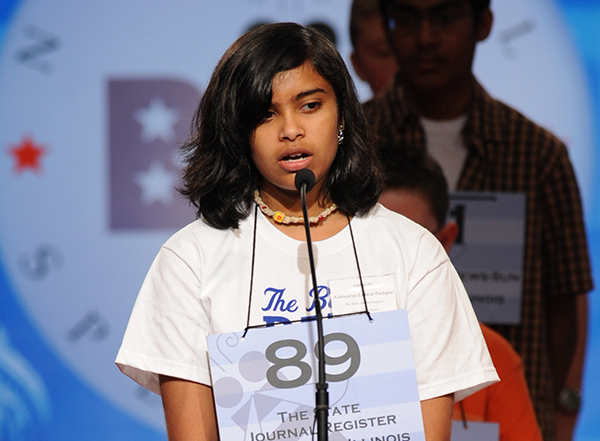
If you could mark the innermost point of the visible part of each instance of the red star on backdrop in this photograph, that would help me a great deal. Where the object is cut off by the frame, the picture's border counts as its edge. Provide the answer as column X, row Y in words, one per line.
column 27, row 155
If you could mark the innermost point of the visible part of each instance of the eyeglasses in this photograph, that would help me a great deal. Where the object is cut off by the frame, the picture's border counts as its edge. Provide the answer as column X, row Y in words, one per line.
column 445, row 17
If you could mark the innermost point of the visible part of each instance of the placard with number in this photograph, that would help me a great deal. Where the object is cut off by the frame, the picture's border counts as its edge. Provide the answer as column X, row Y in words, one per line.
column 264, row 384
column 488, row 252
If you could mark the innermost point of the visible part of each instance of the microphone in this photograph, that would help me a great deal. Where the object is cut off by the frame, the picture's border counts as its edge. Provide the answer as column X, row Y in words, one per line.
column 305, row 176
column 305, row 181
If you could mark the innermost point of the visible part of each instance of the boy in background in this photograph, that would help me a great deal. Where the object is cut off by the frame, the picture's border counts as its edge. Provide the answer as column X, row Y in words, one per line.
column 416, row 188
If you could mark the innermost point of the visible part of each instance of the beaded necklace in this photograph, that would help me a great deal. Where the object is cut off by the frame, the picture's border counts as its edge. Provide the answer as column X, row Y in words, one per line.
column 281, row 218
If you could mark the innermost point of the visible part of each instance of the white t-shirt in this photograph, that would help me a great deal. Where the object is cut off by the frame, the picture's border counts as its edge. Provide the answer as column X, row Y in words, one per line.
column 200, row 280
column 445, row 144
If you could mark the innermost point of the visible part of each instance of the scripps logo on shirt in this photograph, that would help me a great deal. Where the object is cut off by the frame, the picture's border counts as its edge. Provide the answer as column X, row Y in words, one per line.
column 282, row 308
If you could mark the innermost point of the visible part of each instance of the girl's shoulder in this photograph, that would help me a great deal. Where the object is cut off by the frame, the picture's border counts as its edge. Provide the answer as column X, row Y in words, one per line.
column 199, row 236
column 394, row 223
column 399, row 231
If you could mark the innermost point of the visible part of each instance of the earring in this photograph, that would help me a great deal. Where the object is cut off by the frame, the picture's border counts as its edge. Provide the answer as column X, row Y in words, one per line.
column 341, row 135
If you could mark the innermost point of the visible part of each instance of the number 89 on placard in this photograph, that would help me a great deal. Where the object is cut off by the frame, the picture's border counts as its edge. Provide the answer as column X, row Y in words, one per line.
column 299, row 370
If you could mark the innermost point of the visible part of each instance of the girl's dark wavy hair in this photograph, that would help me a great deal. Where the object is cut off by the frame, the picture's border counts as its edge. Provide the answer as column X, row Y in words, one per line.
column 219, row 177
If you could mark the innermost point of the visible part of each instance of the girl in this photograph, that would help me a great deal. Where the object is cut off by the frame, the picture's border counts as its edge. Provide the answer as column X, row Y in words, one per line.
column 280, row 100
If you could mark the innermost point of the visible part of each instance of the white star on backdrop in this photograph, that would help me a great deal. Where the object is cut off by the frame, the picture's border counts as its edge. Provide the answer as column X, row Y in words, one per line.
column 157, row 121
column 156, row 183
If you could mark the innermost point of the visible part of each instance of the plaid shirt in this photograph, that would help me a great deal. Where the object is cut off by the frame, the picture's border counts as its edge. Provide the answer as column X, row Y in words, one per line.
column 509, row 153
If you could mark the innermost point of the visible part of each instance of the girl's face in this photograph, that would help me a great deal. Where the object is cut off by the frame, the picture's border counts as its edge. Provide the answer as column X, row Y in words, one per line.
column 299, row 131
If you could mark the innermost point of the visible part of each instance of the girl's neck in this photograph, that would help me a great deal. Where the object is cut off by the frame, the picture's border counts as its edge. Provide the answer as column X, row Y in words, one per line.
column 289, row 201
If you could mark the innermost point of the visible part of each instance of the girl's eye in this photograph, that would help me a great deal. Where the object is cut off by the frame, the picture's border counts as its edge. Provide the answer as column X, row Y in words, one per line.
column 270, row 114
column 312, row 105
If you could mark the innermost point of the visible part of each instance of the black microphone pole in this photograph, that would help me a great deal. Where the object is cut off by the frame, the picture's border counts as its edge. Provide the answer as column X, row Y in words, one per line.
column 305, row 180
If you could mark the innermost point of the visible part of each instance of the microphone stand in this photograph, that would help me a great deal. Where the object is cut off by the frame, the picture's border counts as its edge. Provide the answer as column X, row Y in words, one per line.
column 322, row 395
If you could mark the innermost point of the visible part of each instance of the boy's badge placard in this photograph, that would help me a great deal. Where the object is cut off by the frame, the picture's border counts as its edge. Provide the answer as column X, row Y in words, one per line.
column 488, row 252
column 264, row 384
column 475, row 431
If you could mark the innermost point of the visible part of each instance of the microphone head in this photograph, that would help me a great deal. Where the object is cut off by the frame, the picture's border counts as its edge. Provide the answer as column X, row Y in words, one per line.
column 305, row 176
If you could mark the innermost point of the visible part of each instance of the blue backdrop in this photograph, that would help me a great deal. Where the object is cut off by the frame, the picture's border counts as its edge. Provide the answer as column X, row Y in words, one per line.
column 70, row 267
